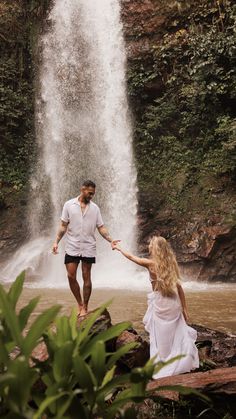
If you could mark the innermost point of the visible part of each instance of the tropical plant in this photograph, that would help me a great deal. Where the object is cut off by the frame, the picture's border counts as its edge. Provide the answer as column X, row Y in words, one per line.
column 78, row 379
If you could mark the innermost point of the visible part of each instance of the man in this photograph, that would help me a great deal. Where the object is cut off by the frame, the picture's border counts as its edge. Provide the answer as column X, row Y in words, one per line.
column 80, row 218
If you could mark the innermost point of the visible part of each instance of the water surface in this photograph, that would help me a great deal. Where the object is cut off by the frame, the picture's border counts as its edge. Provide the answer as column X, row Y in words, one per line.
column 214, row 307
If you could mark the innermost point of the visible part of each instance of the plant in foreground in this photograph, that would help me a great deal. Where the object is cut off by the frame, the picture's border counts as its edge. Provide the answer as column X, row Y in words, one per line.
column 78, row 379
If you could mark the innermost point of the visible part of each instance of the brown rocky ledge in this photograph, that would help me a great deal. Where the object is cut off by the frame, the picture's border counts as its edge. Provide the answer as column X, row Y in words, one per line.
column 216, row 349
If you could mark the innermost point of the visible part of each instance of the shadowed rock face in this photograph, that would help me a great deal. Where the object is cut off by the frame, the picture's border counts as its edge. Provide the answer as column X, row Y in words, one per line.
column 210, row 250
column 137, row 357
column 216, row 347
column 205, row 248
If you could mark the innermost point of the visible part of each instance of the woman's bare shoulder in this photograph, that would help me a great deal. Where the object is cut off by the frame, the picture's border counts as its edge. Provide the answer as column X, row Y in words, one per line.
column 152, row 267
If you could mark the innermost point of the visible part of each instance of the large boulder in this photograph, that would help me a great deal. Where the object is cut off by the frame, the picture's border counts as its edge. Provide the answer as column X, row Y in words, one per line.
column 138, row 356
column 216, row 349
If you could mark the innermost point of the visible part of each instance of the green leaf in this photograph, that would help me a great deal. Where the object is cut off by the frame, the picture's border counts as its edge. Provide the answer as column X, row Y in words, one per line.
column 77, row 409
column 48, row 379
column 161, row 364
column 121, row 352
column 64, row 406
column 63, row 331
column 98, row 357
column 62, row 362
column 117, row 404
column 85, row 377
column 46, row 403
column 137, row 375
column 16, row 289
column 20, row 387
column 73, row 323
column 6, row 378
column 88, row 323
column 148, row 368
column 106, row 335
column 4, row 354
column 209, row 409
column 38, row 327
column 138, row 389
column 111, row 386
column 10, row 317
column 26, row 311
column 109, row 376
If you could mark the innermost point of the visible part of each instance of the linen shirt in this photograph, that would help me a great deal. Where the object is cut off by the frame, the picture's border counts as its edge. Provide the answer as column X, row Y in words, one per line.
column 80, row 234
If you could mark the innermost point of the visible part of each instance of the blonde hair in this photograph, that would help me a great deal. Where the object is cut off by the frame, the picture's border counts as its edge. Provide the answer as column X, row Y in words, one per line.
column 165, row 265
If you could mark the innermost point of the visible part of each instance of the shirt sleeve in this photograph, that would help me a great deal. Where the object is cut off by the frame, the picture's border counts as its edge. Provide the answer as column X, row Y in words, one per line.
column 100, row 222
column 65, row 214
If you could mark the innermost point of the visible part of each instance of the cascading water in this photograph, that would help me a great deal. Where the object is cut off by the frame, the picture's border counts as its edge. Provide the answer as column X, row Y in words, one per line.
column 83, row 131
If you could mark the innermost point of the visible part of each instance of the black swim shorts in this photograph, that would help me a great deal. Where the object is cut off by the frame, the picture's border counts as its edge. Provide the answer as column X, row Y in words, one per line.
column 77, row 259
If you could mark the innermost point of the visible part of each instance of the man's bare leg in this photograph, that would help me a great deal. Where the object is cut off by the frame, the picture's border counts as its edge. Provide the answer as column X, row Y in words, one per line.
column 74, row 286
column 87, row 288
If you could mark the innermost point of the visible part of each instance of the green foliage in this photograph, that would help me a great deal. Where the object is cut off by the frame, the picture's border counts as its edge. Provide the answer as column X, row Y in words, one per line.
column 16, row 108
column 78, row 379
column 184, row 101
column 20, row 22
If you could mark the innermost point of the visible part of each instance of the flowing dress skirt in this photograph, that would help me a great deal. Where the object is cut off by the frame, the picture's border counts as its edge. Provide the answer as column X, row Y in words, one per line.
column 170, row 335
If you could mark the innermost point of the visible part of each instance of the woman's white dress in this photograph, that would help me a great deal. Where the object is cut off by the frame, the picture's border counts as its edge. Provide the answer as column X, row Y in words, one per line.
column 170, row 335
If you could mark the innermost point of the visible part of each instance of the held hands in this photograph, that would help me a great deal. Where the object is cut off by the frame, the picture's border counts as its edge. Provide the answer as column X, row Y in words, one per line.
column 115, row 245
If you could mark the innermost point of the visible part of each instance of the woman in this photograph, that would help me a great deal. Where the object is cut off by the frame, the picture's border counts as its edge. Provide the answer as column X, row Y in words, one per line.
column 166, row 316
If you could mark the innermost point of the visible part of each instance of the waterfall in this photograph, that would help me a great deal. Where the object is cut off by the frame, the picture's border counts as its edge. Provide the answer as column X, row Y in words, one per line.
column 83, row 132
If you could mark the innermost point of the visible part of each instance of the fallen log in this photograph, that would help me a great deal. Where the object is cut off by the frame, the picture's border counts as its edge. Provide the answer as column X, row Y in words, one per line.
column 220, row 380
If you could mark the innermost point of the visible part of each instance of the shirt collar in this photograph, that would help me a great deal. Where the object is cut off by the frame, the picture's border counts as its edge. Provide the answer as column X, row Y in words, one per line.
column 76, row 201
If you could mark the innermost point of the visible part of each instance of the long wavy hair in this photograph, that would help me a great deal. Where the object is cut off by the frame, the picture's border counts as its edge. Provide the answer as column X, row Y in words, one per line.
column 165, row 266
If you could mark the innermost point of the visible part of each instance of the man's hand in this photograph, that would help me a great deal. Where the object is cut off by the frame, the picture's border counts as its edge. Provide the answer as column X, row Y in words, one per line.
column 55, row 248
column 114, row 244
column 105, row 234
column 60, row 234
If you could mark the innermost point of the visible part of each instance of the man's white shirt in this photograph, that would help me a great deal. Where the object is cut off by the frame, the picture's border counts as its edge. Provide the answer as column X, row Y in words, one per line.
column 80, row 234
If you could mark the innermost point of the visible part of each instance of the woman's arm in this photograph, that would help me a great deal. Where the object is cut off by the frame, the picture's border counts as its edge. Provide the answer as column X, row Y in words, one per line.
column 183, row 302
column 140, row 261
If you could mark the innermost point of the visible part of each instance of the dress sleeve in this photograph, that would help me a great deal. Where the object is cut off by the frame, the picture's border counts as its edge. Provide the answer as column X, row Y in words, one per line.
column 100, row 222
column 65, row 214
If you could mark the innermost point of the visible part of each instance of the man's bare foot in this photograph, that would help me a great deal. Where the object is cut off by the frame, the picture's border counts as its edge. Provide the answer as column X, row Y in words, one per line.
column 80, row 308
column 83, row 312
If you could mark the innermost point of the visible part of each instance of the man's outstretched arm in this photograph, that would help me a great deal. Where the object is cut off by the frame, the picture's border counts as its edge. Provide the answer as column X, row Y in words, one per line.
column 105, row 234
column 60, row 234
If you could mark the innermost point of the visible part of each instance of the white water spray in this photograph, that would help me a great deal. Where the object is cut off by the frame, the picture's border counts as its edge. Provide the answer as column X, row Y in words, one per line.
column 83, row 131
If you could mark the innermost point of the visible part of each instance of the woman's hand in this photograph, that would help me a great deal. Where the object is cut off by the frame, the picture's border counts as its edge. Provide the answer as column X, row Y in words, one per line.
column 116, row 246
column 114, row 243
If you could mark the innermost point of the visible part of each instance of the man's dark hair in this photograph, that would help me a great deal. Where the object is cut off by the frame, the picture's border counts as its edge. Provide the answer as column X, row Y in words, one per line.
column 89, row 183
